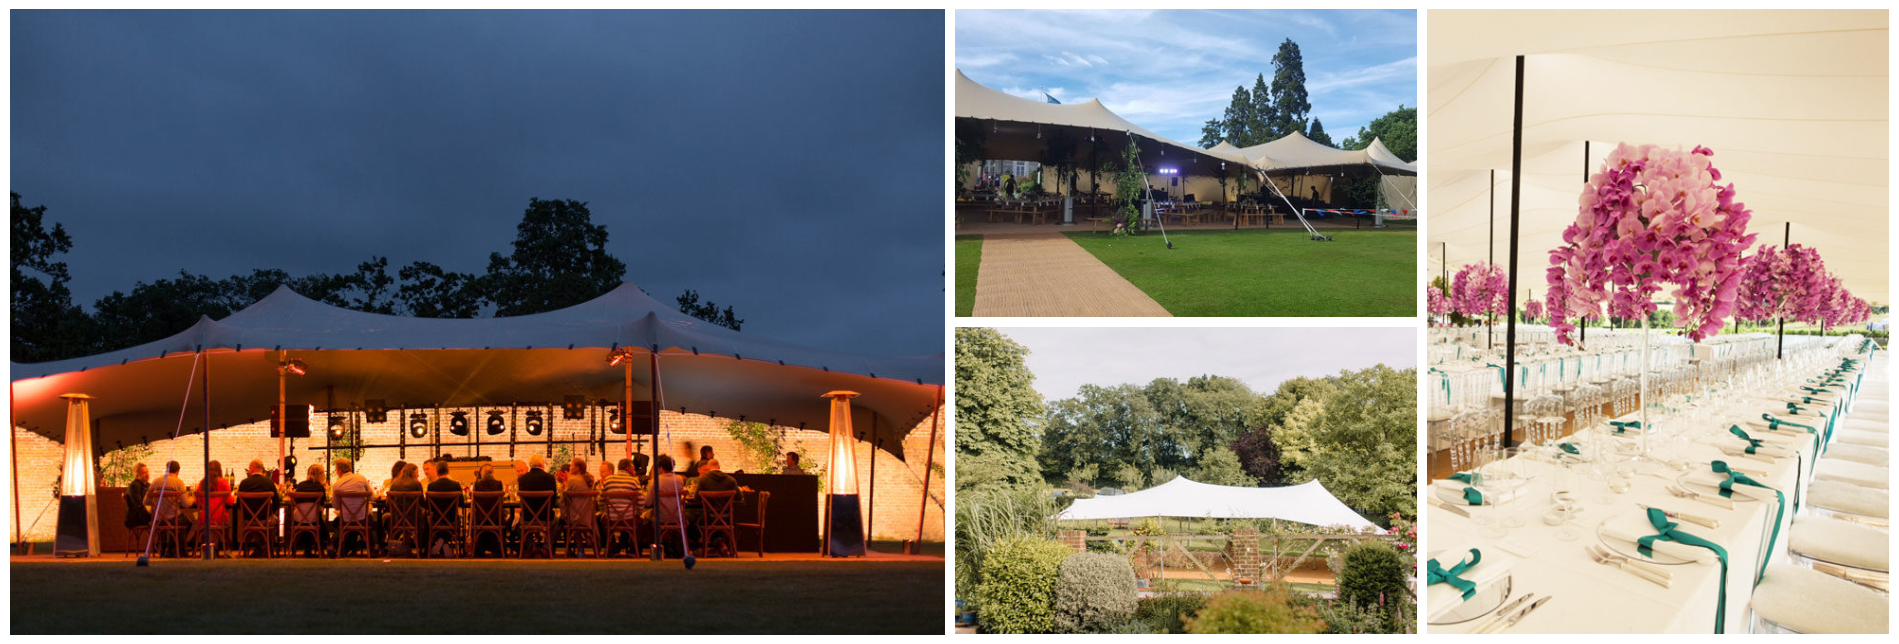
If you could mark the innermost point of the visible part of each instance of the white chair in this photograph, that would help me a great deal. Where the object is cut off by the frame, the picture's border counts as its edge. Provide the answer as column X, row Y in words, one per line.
column 1791, row 599
column 1846, row 550
column 1860, row 474
column 1862, row 437
column 1860, row 454
column 1849, row 502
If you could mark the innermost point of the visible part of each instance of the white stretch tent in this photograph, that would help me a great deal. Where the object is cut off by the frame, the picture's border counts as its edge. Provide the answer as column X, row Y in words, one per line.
column 1017, row 130
column 1793, row 103
column 1293, row 153
column 1307, row 503
column 490, row 362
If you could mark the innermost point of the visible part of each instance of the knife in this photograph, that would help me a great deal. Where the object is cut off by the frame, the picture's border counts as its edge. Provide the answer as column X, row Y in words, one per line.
column 1522, row 614
column 1698, row 520
column 1452, row 508
column 1501, row 612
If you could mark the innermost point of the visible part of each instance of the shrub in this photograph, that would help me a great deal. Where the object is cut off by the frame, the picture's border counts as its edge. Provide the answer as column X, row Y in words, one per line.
column 1169, row 612
column 1348, row 618
column 1373, row 578
column 1017, row 592
column 1094, row 592
column 1246, row 611
column 986, row 516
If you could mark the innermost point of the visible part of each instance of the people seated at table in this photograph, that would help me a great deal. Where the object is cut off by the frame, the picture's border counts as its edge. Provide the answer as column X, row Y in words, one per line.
column 214, row 513
column 791, row 464
column 450, row 507
column 712, row 478
column 257, row 482
column 537, row 480
column 485, row 481
column 578, row 478
column 348, row 481
column 395, row 472
column 137, row 515
column 666, row 493
column 705, row 454
column 312, row 511
column 623, row 480
column 606, row 470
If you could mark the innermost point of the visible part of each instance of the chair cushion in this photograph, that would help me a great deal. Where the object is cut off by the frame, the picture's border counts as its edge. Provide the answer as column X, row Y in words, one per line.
column 1864, row 424
column 1814, row 602
column 1860, row 454
column 1860, row 474
column 1849, row 498
column 1856, row 437
column 1841, row 542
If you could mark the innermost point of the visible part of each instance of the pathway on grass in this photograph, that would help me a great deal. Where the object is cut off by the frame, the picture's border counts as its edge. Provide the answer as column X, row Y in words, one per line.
column 1045, row 274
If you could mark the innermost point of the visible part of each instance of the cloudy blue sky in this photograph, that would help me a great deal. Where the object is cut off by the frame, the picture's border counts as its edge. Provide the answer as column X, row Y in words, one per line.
column 1064, row 359
column 1170, row 71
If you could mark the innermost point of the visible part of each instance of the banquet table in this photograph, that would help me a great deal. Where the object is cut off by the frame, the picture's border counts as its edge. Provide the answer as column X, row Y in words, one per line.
column 1588, row 597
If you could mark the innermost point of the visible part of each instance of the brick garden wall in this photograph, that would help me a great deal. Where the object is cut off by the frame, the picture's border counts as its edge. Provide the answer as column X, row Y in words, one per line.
column 896, row 499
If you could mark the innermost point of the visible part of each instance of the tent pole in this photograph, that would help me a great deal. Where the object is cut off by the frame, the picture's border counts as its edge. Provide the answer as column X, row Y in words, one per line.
column 626, row 408
column 929, row 462
column 871, row 502
column 1780, row 322
column 283, row 421
column 204, row 509
column 13, row 449
column 653, row 361
column 1510, row 328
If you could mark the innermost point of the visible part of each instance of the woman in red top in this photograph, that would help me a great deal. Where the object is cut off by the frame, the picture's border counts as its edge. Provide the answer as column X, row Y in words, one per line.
column 217, row 513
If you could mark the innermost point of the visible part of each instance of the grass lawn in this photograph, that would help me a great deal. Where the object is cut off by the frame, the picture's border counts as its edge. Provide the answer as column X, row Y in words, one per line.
column 968, row 258
column 407, row 596
column 1261, row 272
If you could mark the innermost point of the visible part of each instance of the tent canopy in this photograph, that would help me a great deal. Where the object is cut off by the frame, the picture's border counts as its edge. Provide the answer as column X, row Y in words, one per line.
column 1019, row 129
column 1307, row 503
column 1793, row 103
column 1296, row 154
column 353, row 356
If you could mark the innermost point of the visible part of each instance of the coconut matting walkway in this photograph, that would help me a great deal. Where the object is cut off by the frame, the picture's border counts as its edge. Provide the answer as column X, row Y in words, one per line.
column 1045, row 274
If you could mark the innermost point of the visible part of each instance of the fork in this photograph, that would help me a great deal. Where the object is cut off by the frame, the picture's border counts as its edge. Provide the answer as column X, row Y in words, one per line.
column 1685, row 493
column 1642, row 573
column 1652, row 568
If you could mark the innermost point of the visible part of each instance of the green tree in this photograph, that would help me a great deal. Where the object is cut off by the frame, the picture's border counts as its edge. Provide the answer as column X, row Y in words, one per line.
column 1130, row 188
column 709, row 311
column 1212, row 133
column 1364, row 445
column 1295, row 436
column 560, row 259
column 996, row 408
column 1317, row 133
column 1220, row 466
column 46, row 323
column 430, row 291
column 1263, row 125
column 1289, row 90
column 1238, row 118
column 1397, row 129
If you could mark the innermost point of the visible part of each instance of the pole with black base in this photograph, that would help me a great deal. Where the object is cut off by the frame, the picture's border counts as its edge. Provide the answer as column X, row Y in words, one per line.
column 1510, row 328
column 843, row 519
column 78, row 532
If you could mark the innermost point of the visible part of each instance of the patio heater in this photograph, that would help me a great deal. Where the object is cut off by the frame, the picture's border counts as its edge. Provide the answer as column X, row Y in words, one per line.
column 844, row 520
column 78, row 531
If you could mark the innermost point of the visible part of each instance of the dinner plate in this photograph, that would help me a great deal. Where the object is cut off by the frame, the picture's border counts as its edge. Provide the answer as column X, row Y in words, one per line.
column 1485, row 602
column 1628, row 548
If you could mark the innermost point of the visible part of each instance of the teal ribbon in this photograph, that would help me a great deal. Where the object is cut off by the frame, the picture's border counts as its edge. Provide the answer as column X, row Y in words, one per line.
column 1812, row 390
column 1621, row 426
column 1665, row 531
column 1461, row 476
column 1569, row 447
column 1780, row 510
column 1752, row 443
column 1775, row 423
column 1473, row 497
column 1435, row 573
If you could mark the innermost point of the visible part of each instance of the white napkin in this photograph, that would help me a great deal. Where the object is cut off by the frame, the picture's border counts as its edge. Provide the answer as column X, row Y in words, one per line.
column 1444, row 597
column 1452, row 491
column 1771, row 445
column 1707, row 482
column 1630, row 526
column 1755, row 423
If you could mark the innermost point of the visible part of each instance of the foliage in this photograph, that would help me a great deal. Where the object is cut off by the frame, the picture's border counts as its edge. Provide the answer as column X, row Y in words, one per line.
column 1169, row 612
column 1289, row 106
column 1348, row 618
column 120, row 466
column 1130, row 189
column 1017, row 591
column 1318, row 135
column 993, row 514
column 1270, row 611
column 1365, row 444
column 1374, row 579
column 995, row 409
column 46, row 324
column 709, row 311
column 1093, row 593
column 1220, row 466
column 758, row 443
column 1259, row 456
column 560, row 259
column 430, row 291
column 1397, row 130
column 1133, row 434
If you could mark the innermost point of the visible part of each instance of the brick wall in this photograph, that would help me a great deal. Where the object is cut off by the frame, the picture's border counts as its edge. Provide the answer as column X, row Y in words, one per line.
column 897, row 494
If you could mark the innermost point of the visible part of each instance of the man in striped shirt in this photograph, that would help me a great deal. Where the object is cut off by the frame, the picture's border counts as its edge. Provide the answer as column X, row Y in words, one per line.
column 622, row 480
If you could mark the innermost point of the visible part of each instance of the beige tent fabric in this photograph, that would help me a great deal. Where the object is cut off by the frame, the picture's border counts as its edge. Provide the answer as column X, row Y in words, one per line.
column 1296, row 152
column 975, row 101
column 1793, row 103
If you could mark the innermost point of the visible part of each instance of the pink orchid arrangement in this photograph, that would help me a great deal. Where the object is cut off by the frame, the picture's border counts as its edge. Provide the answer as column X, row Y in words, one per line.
column 1652, row 217
column 1782, row 283
column 1480, row 290
column 1435, row 302
column 1532, row 310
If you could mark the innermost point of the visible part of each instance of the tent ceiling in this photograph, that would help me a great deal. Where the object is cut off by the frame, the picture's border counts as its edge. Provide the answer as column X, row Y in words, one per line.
column 1019, row 128
column 138, row 392
column 1307, row 503
column 1793, row 103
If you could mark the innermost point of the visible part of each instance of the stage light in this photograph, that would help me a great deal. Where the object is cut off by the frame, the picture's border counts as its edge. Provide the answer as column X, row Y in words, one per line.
column 293, row 367
column 496, row 423
column 418, row 425
column 336, row 427
column 375, row 410
column 619, row 356
column 458, row 423
column 613, row 421
column 574, row 407
column 534, row 423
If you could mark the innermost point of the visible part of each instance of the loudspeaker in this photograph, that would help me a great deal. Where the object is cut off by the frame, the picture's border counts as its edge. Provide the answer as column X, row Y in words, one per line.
column 375, row 411
column 574, row 407
column 299, row 422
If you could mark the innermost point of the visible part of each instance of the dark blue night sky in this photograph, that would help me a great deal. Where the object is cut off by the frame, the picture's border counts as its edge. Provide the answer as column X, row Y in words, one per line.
column 788, row 164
